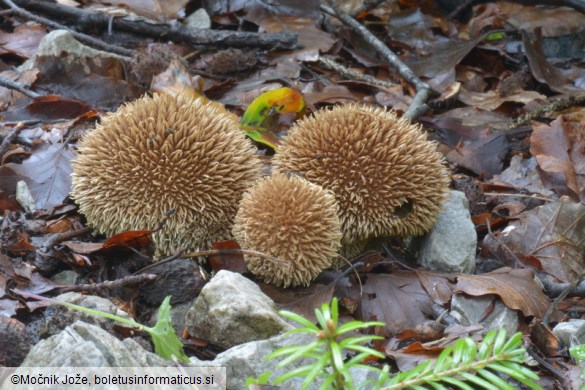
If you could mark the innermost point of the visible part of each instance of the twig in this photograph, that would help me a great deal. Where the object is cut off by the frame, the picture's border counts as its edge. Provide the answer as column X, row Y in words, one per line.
column 10, row 138
column 556, row 106
column 126, row 281
column 329, row 63
column 423, row 91
column 520, row 196
column 249, row 252
column 550, row 367
column 60, row 237
column 555, row 289
column 568, row 289
column 158, row 263
column 79, row 36
column 203, row 37
column 18, row 87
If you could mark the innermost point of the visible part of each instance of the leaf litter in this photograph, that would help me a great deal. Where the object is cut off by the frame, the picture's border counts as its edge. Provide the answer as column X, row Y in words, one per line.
column 534, row 173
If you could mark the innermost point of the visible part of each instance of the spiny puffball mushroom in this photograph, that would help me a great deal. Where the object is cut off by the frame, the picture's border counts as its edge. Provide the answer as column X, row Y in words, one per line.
column 293, row 220
column 388, row 179
column 160, row 153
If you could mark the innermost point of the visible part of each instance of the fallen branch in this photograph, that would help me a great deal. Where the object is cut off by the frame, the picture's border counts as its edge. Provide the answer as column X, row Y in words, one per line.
column 94, row 42
column 22, row 88
column 126, row 281
column 552, row 107
column 328, row 63
column 58, row 238
column 10, row 138
column 198, row 37
column 423, row 91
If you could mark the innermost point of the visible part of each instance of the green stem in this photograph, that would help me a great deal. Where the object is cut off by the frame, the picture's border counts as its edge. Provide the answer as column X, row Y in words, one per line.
column 423, row 378
column 125, row 321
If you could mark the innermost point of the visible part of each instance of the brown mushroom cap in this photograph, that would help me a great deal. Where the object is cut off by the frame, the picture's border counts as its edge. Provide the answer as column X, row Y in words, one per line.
column 293, row 220
column 388, row 179
column 159, row 153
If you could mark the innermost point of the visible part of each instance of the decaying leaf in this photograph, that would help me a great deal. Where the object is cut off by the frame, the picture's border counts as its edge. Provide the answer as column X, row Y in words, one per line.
column 47, row 172
column 554, row 234
column 516, row 288
column 258, row 120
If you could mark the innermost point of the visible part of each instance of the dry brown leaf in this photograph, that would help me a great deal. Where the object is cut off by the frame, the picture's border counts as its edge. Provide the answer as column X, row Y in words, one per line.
column 516, row 288
column 49, row 172
column 386, row 298
column 490, row 100
column 554, row 234
column 551, row 145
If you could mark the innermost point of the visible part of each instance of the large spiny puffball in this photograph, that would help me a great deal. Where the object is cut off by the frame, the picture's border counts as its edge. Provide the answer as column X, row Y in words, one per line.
column 294, row 221
column 388, row 179
column 160, row 153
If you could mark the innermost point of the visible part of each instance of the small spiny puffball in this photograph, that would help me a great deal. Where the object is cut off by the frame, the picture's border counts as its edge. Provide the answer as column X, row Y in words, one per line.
column 387, row 178
column 291, row 219
column 160, row 153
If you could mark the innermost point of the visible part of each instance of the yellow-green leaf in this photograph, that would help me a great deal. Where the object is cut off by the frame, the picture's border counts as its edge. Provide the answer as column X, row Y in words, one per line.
column 258, row 119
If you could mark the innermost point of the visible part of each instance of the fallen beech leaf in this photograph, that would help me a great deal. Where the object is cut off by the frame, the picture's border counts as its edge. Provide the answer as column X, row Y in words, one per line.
column 48, row 174
column 558, row 151
column 49, row 107
column 541, row 69
column 229, row 261
column 554, row 234
column 177, row 80
column 256, row 121
column 516, row 288
column 383, row 301
column 544, row 339
column 301, row 300
column 136, row 239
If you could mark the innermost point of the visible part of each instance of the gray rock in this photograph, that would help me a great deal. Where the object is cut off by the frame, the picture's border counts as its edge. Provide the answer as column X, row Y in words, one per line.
column 85, row 345
column 571, row 333
column 232, row 310
column 472, row 311
column 58, row 42
column 63, row 278
column 198, row 19
column 248, row 361
column 450, row 246
column 57, row 317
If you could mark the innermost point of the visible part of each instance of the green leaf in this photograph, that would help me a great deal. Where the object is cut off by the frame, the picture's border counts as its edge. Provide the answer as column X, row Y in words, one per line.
column 334, row 311
column 263, row 379
column 486, row 345
column 337, row 355
column 165, row 340
column 300, row 352
column 513, row 373
column 359, row 340
column 298, row 319
column 444, row 360
column 528, row 373
column 257, row 121
column 354, row 325
column 500, row 341
column 513, row 342
column 478, row 381
column 371, row 352
column 456, row 382
column 322, row 319
column 319, row 367
column 494, row 379
column 470, row 351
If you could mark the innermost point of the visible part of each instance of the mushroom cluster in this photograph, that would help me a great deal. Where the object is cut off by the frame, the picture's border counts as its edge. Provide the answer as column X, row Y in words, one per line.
column 160, row 153
column 287, row 217
column 387, row 178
